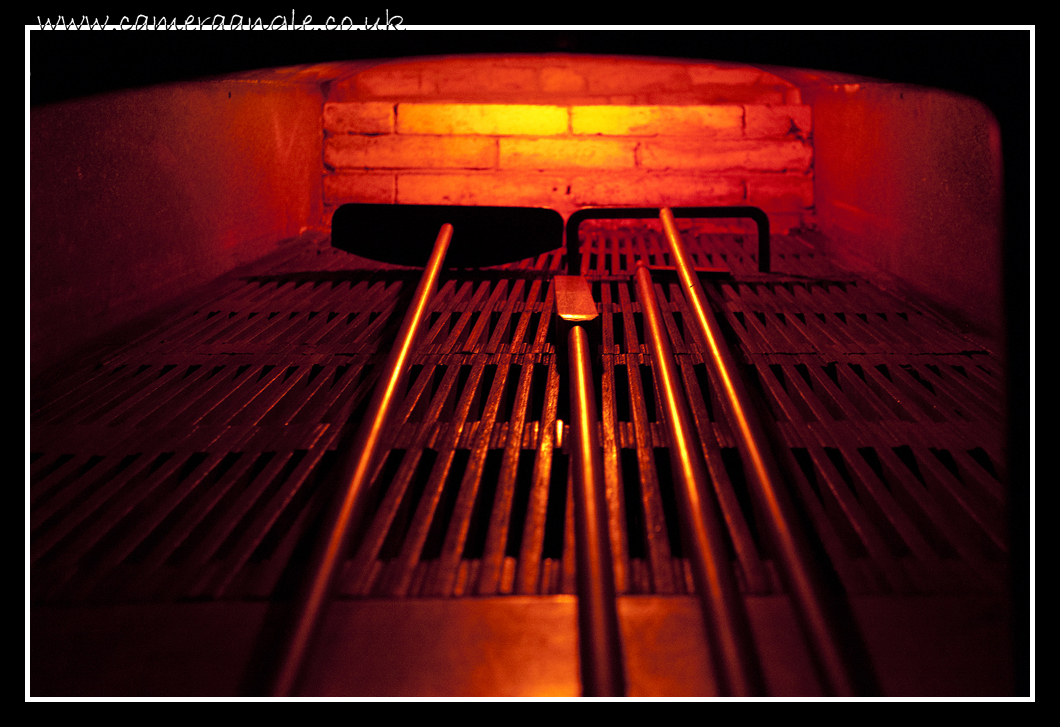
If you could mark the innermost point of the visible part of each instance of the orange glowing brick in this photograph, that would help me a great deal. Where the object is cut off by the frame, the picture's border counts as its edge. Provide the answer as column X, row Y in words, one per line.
column 555, row 79
column 397, row 151
column 496, row 119
column 718, row 156
column 483, row 188
column 672, row 190
column 715, row 121
column 374, row 117
column 584, row 153
column 363, row 187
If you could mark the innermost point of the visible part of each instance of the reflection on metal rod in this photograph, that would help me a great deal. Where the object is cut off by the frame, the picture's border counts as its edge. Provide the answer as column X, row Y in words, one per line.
column 727, row 626
column 764, row 480
column 601, row 656
column 356, row 470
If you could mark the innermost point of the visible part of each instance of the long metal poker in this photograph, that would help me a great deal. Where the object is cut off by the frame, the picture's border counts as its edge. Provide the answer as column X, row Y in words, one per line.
column 356, row 469
column 765, row 483
column 726, row 620
column 598, row 631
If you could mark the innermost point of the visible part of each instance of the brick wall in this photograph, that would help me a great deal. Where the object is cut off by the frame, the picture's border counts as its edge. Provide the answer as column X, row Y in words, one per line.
column 567, row 132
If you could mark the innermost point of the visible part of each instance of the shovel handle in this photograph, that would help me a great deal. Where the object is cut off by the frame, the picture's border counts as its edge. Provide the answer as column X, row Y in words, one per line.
column 358, row 464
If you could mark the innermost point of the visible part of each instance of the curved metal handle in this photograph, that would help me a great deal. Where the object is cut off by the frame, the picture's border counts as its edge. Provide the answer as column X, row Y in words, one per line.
column 574, row 255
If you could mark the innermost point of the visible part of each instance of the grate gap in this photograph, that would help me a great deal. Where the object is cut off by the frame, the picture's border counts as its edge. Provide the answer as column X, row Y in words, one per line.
column 833, row 373
column 524, row 474
column 478, row 527
column 648, row 388
column 262, row 501
column 778, row 373
column 728, row 332
column 556, row 514
column 638, row 325
column 635, row 528
column 703, row 379
column 805, row 462
column 413, row 376
column 218, row 513
column 314, row 371
column 916, row 375
column 664, row 469
column 622, row 395
column 538, row 389
column 478, row 406
column 979, row 455
column 432, row 547
column 619, row 331
column 679, row 320
column 494, row 319
column 402, row 520
column 873, row 460
column 730, row 458
column 159, row 491
column 56, row 464
column 340, row 371
column 944, row 456
column 755, row 384
column 841, row 467
column 515, row 374
column 905, row 453
column 532, row 327
column 83, row 495
column 158, row 535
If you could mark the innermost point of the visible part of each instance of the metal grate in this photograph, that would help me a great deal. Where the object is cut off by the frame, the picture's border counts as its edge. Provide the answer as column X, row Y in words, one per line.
column 184, row 464
column 191, row 463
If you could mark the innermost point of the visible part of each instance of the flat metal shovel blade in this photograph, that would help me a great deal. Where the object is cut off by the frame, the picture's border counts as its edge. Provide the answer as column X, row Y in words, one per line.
column 483, row 236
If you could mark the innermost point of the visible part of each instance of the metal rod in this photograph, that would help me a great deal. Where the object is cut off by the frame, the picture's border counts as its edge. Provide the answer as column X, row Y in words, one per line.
column 598, row 632
column 728, row 631
column 355, row 471
column 765, row 483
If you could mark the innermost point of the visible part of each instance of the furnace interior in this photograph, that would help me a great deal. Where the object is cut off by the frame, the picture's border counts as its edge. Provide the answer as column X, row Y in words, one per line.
column 199, row 352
